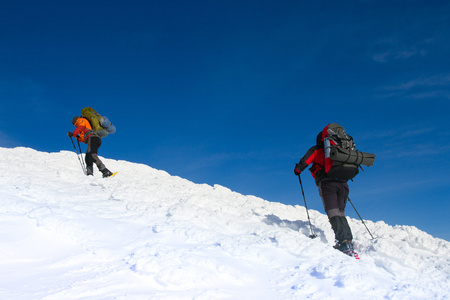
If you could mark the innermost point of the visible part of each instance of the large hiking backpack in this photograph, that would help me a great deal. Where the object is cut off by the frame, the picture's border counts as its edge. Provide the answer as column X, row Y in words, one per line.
column 101, row 125
column 342, row 161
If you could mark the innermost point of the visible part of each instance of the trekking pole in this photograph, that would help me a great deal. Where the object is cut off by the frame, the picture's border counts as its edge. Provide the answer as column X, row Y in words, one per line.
column 312, row 235
column 82, row 160
column 360, row 218
column 81, row 163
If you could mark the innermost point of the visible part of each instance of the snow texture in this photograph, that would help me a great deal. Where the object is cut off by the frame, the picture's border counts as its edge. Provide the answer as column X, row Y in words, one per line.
column 145, row 234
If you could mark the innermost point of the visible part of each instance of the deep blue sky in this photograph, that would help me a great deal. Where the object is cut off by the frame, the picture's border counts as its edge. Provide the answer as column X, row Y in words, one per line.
column 235, row 92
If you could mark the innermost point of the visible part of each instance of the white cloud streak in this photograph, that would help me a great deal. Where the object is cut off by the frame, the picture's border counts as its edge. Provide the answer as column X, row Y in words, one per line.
column 433, row 81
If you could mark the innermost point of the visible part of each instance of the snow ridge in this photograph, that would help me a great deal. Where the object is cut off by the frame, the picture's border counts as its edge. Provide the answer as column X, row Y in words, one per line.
column 145, row 234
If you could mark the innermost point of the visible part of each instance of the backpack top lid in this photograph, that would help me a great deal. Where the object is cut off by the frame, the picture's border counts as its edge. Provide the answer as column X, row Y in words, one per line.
column 337, row 134
column 331, row 130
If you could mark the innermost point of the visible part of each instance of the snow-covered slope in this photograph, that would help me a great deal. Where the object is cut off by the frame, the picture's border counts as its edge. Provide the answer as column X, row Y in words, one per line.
column 144, row 234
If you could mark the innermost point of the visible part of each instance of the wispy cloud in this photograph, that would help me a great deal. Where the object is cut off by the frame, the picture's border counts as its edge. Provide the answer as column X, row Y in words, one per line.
column 7, row 141
column 404, row 142
column 421, row 151
column 389, row 49
column 433, row 81
column 394, row 54
column 431, row 87
column 401, row 133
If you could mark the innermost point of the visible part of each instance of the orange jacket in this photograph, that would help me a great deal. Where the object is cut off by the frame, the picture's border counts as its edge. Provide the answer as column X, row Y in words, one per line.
column 83, row 130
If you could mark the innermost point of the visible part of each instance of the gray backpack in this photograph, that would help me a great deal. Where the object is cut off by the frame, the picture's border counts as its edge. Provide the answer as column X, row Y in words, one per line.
column 342, row 161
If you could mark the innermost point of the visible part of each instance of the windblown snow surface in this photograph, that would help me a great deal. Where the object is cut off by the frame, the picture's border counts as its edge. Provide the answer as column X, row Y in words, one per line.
column 145, row 234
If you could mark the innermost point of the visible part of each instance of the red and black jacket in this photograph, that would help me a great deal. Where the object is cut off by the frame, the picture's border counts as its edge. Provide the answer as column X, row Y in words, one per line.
column 315, row 156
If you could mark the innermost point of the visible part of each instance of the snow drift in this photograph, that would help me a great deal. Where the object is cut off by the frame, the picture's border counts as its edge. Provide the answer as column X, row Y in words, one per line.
column 144, row 234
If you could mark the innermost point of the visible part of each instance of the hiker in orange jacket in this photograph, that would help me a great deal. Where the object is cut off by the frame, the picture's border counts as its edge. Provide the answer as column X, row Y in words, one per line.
column 84, row 133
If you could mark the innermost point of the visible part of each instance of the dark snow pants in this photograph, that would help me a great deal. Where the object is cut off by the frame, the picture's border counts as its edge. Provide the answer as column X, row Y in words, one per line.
column 334, row 196
column 93, row 143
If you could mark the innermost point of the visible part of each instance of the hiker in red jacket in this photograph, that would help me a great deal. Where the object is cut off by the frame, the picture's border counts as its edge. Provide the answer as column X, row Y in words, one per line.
column 333, row 192
column 84, row 133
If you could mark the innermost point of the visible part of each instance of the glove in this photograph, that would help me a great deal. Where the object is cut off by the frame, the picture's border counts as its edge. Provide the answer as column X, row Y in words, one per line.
column 296, row 170
column 70, row 134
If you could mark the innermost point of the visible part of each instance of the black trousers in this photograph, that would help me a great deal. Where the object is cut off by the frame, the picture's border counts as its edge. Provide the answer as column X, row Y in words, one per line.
column 93, row 143
column 334, row 196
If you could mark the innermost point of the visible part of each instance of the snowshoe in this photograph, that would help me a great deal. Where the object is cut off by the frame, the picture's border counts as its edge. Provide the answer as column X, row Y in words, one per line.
column 346, row 247
column 106, row 173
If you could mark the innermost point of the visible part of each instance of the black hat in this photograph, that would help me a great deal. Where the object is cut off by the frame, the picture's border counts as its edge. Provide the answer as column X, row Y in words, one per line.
column 75, row 119
column 319, row 139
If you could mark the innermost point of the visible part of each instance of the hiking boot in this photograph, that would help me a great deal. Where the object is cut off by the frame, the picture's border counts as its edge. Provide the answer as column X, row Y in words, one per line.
column 106, row 172
column 346, row 246
column 89, row 171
